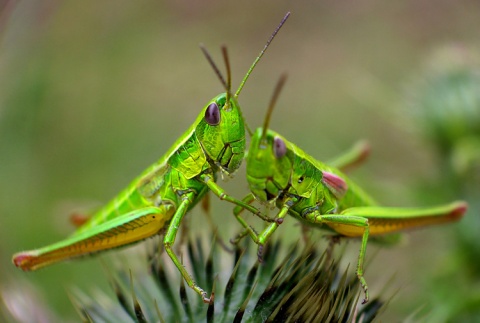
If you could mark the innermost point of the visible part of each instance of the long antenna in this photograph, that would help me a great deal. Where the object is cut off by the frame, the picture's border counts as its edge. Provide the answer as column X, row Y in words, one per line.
column 261, row 54
column 214, row 66
column 229, row 77
column 273, row 101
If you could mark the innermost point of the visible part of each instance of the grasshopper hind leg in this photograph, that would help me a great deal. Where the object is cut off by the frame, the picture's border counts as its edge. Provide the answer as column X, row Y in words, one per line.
column 121, row 231
column 169, row 240
column 340, row 220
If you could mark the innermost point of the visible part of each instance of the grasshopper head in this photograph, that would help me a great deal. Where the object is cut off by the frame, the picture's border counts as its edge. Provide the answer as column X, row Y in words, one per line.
column 221, row 132
column 269, row 165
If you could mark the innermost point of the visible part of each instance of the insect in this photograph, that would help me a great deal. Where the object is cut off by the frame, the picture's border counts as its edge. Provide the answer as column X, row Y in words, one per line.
column 157, row 200
column 280, row 172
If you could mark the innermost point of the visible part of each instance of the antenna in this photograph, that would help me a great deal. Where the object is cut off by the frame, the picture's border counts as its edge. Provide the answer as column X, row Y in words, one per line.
column 273, row 101
column 229, row 76
column 215, row 68
column 261, row 54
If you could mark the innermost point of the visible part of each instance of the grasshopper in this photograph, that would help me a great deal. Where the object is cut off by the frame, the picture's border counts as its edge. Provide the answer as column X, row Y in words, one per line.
column 158, row 199
column 280, row 173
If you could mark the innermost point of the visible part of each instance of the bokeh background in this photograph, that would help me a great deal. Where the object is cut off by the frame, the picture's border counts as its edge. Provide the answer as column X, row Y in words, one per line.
column 92, row 92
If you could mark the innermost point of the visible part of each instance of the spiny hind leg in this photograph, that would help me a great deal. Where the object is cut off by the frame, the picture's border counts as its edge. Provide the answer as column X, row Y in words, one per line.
column 120, row 231
column 340, row 221
column 183, row 235
column 169, row 240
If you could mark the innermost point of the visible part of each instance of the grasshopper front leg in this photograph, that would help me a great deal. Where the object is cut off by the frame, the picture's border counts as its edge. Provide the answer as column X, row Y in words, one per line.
column 262, row 238
column 248, row 230
column 265, row 235
column 220, row 192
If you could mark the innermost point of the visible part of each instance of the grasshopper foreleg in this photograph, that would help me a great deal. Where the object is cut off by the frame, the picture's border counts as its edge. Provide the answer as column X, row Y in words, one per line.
column 264, row 236
column 248, row 229
column 220, row 192
column 240, row 236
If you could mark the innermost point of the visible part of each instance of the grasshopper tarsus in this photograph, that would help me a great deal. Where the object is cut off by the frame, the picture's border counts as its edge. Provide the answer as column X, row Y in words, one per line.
column 212, row 298
column 266, row 218
column 206, row 299
column 366, row 298
column 260, row 253
column 363, row 283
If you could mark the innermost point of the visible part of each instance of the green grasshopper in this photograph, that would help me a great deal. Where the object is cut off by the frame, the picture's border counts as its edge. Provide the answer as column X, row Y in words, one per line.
column 321, row 196
column 157, row 200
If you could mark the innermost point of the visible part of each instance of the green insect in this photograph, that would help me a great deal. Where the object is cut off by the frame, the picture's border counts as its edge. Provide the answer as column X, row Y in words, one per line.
column 158, row 199
column 321, row 196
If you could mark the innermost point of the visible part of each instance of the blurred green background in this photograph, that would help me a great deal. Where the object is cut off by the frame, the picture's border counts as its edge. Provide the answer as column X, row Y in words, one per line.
column 92, row 92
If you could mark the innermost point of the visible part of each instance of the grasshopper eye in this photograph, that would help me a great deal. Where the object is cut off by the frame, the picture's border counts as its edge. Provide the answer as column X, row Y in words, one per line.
column 212, row 114
column 279, row 147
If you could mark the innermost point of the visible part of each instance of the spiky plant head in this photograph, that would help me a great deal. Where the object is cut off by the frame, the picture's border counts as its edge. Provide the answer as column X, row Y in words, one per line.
column 302, row 285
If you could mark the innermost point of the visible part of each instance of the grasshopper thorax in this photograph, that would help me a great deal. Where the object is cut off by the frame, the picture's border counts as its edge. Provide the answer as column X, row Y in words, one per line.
column 221, row 132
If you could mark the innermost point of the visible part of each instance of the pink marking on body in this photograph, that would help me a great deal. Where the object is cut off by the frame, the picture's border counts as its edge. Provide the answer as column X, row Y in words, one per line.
column 335, row 184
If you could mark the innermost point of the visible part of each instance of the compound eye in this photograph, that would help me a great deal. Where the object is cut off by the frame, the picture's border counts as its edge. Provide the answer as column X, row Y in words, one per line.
column 279, row 147
column 212, row 114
